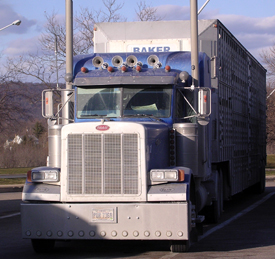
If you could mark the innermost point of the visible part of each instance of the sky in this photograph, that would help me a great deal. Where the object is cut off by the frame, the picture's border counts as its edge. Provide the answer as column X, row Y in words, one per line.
column 251, row 21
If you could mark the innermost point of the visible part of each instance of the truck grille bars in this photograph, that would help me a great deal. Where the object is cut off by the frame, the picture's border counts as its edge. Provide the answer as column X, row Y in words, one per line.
column 103, row 164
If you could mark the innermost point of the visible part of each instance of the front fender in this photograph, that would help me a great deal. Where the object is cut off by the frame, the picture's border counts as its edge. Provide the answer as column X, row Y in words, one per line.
column 179, row 191
column 40, row 192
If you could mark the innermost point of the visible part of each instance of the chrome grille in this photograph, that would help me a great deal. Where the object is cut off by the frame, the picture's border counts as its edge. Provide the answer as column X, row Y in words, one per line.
column 103, row 164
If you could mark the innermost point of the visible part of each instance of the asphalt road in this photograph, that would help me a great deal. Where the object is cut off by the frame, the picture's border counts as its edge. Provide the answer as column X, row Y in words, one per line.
column 247, row 230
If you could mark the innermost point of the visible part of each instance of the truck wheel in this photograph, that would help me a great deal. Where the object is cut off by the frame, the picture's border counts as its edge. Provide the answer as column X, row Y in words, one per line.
column 180, row 246
column 43, row 245
column 259, row 187
column 214, row 211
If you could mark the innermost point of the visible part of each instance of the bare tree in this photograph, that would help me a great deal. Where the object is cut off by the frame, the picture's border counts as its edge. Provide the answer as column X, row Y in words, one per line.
column 111, row 15
column 41, row 66
column 83, row 28
column 12, row 112
column 270, row 119
column 34, row 67
column 146, row 12
column 268, row 58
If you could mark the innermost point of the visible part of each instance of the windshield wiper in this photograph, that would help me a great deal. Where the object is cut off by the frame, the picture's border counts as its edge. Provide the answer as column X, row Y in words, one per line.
column 105, row 117
column 92, row 115
column 151, row 116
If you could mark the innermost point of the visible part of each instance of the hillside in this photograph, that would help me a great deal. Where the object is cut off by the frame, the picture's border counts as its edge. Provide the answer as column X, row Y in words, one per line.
column 20, row 107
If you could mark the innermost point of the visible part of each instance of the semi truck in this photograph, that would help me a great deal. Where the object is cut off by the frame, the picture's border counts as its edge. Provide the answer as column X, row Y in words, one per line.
column 147, row 151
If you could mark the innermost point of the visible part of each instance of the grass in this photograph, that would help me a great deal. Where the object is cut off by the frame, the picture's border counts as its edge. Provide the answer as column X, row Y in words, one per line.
column 6, row 181
column 270, row 161
column 13, row 171
column 269, row 173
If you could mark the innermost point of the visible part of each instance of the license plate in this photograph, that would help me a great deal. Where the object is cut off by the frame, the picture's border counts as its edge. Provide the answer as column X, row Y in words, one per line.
column 106, row 215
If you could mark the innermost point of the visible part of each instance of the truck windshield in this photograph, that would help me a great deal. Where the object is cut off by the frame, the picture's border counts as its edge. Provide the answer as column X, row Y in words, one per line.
column 124, row 101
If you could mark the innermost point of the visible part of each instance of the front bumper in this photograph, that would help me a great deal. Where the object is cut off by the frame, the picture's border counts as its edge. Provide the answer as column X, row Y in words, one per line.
column 129, row 221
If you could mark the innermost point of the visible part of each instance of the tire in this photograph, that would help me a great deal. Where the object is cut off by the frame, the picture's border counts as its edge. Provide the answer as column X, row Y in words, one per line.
column 214, row 211
column 180, row 246
column 218, row 204
column 43, row 245
column 259, row 187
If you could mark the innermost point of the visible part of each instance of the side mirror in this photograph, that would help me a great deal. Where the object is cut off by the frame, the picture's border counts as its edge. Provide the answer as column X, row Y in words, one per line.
column 204, row 105
column 48, row 104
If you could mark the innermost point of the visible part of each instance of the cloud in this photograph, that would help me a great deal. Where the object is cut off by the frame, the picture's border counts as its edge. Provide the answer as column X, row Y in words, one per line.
column 255, row 34
column 22, row 46
column 248, row 24
column 173, row 12
column 8, row 15
column 176, row 12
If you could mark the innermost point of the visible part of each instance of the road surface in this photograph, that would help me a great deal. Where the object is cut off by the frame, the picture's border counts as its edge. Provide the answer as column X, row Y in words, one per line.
column 246, row 231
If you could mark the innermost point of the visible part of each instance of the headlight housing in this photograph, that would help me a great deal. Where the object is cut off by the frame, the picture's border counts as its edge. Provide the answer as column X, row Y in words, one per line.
column 44, row 174
column 167, row 175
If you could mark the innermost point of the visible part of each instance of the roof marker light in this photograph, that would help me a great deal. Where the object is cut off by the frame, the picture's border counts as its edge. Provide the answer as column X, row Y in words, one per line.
column 110, row 69
column 167, row 68
column 138, row 68
column 84, row 70
column 123, row 69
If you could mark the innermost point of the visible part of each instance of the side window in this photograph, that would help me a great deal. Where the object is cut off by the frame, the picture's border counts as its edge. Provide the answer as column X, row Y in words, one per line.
column 180, row 105
column 183, row 109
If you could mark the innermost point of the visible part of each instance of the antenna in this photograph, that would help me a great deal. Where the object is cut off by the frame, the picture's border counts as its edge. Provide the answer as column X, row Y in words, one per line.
column 56, row 64
column 203, row 6
column 270, row 94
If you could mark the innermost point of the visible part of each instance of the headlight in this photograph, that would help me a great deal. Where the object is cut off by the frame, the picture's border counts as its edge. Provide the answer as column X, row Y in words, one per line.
column 43, row 174
column 166, row 175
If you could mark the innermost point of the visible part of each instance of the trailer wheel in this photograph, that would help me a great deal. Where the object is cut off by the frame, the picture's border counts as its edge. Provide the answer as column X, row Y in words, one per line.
column 218, row 204
column 180, row 246
column 43, row 245
column 259, row 187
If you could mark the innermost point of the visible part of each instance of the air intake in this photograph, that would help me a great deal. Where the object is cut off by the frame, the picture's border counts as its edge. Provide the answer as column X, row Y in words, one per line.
column 131, row 61
column 152, row 60
column 117, row 61
column 98, row 61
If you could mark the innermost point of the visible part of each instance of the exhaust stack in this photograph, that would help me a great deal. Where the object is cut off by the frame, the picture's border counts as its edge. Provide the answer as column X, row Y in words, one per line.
column 194, row 42
column 69, row 41
column 69, row 61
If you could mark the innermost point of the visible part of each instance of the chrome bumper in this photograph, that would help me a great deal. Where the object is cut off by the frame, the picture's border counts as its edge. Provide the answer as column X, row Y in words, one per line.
column 112, row 221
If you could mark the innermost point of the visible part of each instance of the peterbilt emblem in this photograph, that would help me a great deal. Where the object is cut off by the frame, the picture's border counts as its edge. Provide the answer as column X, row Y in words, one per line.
column 166, row 189
column 41, row 189
column 158, row 141
column 102, row 127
